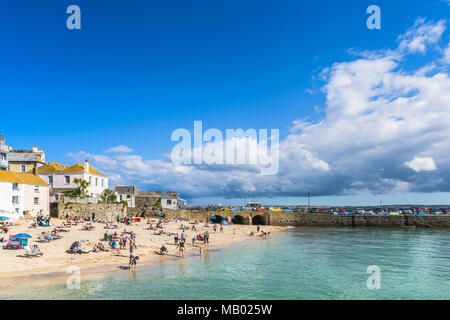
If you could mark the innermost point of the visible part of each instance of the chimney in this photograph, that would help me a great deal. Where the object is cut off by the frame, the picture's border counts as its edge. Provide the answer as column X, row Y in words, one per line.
column 35, row 169
column 86, row 166
column 35, row 149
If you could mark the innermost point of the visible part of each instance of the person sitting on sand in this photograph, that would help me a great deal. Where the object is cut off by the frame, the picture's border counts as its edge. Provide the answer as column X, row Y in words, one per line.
column 163, row 251
column 44, row 234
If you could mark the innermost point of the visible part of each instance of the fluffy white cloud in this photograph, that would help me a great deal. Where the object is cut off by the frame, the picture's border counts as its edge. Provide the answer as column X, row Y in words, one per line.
column 421, row 35
column 119, row 149
column 419, row 164
column 377, row 117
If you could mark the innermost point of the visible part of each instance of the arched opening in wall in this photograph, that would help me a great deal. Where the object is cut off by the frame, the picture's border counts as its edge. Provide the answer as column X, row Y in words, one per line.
column 259, row 219
column 216, row 219
column 238, row 220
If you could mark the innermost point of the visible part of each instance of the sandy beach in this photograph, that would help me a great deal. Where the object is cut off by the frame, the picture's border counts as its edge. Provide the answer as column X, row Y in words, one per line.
column 55, row 260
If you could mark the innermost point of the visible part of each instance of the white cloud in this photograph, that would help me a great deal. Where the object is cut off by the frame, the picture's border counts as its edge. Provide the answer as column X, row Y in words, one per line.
column 377, row 117
column 419, row 164
column 119, row 149
column 446, row 58
column 422, row 34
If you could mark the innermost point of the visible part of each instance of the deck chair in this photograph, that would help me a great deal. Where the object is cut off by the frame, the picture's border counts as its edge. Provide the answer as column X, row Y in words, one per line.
column 36, row 251
column 42, row 238
column 29, row 252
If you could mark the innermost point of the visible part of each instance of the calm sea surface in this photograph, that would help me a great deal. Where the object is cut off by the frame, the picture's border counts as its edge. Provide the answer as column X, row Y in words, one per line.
column 302, row 263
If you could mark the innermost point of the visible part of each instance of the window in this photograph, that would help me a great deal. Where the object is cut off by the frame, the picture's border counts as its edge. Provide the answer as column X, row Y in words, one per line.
column 90, row 180
column 36, row 188
column 15, row 186
column 96, row 181
column 17, row 210
column 36, row 200
column 67, row 179
column 169, row 201
column 50, row 179
column 102, row 182
column 23, row 168
column 128, row 196
column 15, row 199
column 56, row 197
column 121, row 197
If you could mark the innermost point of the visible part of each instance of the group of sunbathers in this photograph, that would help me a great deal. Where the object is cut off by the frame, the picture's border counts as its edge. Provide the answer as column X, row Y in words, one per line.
column 47, row 236
column 88, row 226
column 100, row 247
column 42, row 221
column 76, row 248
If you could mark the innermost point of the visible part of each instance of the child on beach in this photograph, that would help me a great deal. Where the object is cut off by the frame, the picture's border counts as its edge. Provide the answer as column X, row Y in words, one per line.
column 163, row 251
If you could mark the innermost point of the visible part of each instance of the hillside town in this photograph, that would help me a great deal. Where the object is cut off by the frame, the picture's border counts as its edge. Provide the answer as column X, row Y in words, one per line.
column 30, row 186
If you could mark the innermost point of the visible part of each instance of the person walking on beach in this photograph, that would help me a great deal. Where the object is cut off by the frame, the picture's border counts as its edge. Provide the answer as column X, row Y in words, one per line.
column 183, row 236
column 258, row 227
column 133, row 237
column 215, row 228
column 181, row 248
column 132, row 246
column 221, row 228
column 175, row 238
column 207, row 237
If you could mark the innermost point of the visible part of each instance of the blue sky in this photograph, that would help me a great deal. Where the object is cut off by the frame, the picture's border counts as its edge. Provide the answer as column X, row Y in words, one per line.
column 138, row 70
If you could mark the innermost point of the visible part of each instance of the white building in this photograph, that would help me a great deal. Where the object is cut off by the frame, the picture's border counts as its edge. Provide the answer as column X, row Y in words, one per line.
column 22, row 194
column 127, row 193
column 170, row 200
column 4, row 151
column 61, row 178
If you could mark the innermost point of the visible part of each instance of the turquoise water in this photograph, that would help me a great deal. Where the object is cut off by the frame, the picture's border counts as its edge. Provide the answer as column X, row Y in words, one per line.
column 302, row 263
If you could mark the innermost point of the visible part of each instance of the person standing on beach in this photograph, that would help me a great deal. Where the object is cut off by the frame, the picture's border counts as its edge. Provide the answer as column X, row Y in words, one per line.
column 181, row 248
column 133, row 237
column 183, row 236
column 221, row 228
column 258, row 228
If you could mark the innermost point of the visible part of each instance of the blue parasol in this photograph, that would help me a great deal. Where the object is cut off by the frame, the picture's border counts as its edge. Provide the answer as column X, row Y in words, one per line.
column 4, row 218
column 22, row 235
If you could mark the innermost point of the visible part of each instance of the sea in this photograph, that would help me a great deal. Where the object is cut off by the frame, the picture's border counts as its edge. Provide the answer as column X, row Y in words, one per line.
column 299, row 263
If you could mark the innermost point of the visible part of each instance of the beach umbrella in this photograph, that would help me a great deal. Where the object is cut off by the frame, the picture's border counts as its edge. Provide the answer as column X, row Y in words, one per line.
column 22, row 235
column 224, row 223
column 213, row 217
column 4, row 218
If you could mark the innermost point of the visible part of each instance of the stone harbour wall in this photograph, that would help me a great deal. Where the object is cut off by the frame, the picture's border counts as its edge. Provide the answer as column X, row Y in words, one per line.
column 104, row 211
